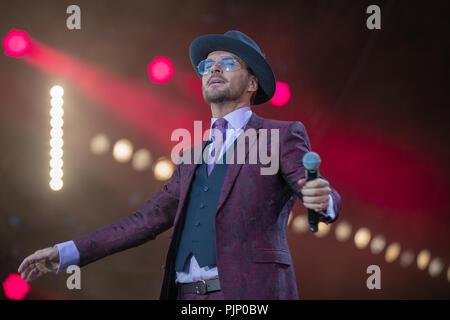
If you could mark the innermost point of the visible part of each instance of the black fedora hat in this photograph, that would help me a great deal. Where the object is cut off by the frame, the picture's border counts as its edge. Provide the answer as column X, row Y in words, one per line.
column 245, row 48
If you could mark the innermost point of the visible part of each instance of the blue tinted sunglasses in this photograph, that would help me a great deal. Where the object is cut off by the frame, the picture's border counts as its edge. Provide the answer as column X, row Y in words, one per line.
column 226, row 63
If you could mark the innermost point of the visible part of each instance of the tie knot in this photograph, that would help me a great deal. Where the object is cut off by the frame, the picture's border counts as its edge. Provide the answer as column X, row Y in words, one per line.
column 220, row 124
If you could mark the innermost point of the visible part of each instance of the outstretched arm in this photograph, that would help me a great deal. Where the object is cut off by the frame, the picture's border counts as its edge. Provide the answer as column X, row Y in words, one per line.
column 151, row 219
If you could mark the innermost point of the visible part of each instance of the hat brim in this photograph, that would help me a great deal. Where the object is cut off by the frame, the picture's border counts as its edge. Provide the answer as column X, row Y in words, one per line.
column 204, row 45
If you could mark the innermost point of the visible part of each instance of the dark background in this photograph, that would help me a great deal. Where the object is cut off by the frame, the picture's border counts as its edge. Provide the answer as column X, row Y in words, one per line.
column 374, row 102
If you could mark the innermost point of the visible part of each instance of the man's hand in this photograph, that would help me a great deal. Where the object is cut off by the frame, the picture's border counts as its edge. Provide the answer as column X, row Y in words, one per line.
column 39, row 263
column 315, row 193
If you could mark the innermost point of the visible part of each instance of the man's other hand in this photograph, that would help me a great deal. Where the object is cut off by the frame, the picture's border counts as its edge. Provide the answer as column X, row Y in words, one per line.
column 39, row 263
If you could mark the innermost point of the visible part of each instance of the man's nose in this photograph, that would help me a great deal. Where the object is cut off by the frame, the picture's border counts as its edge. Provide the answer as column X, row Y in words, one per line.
column 216, row 67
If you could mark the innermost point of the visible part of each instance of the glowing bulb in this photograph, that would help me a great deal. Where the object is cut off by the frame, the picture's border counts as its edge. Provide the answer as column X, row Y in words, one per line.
column 56, row 132
column 14, row 287
column 423, row 258
column 282, row 94
column 300, row 223
column 56, row 163
column 141, row 159
column 435, row 267
column 57, row 102
column 16, row 43
column 56, row 184
column 406, row 258
column 123, row 150
column 392, row 252
column 377, row 244
column 163, row 169
column 56, row 91
column 343, row 231
column 323, row 230
column 362, row 238
column 56, row 122
column 100, row 144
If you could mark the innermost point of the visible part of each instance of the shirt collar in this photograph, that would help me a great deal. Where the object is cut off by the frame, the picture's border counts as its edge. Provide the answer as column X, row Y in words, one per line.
column 237, row 119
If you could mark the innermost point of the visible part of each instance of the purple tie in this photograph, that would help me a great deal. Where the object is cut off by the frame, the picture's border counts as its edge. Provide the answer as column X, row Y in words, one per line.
column 219, row 124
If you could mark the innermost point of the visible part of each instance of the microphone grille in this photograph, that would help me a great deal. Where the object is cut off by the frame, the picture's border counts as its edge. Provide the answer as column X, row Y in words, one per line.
column 311, row 161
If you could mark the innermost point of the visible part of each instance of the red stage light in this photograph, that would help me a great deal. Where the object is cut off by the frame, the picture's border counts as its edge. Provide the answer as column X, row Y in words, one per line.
column 16, row 43
column 14, row 287
column 160, row 70
column 282, row 94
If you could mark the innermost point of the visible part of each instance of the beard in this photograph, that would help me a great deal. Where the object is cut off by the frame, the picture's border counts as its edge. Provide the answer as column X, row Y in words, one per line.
column 215, row 95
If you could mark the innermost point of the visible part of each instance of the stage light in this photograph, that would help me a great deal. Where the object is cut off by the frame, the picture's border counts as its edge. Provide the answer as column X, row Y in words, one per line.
column 141, row 160
column 123, row 150
column 56, row 91
column 377, row 244
column 435, row 267
column 16, row 43
column 406, row 258
column 14, row 287
column 300, row 223
column 423, row 258
column 362, row 238
column 56, row 163
column 322, row 230
column 343, row 231
column 56, row 141
column 100, row 144
column 56, row 133
column 56, row 174
column 56, row 184
column 56, row 153
column 282, row 94
column 160, row 70
column 56, row 123
column 392, row 252
column 57, row 102
column 163, row 169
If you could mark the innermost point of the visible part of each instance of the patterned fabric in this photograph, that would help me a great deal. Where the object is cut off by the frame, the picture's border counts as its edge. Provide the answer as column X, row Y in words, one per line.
column 253, row 256
column 220, row 125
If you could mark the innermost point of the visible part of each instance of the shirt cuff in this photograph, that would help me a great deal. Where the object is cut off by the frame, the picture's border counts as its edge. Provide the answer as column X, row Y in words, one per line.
column 330, row 210
column 68, row 255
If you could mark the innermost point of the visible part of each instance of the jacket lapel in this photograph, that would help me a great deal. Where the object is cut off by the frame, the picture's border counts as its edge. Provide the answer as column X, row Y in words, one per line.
column 187, row 175
column 255, row 122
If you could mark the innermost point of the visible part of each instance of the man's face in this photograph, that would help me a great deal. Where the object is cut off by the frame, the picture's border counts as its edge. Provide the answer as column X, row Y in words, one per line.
column 232, row 84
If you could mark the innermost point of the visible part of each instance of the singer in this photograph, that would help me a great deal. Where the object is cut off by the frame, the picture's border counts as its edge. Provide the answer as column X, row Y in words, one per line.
column 229, row 236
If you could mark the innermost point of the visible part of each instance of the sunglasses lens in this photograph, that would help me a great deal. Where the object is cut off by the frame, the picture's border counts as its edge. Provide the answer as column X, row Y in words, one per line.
column 227, row 63
column 204, row 66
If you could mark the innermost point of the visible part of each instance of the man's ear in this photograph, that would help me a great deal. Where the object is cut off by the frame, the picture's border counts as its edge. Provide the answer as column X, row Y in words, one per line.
column 253, row 83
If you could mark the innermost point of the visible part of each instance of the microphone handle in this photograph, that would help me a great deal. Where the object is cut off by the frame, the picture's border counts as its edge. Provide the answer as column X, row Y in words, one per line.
column 313, row 215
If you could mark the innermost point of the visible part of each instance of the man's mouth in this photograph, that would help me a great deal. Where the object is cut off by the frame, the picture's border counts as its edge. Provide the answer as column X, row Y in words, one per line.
column 216, row 82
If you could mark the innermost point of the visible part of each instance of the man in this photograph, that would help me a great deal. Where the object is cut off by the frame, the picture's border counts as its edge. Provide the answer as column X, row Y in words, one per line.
column 229, row 239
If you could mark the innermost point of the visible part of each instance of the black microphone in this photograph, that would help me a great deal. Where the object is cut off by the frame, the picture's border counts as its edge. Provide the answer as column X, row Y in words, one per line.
column 311, row 162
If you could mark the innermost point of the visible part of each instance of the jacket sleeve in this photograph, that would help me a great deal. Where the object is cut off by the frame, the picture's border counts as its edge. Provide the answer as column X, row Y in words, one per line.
column 295, row 143
column 152, row 218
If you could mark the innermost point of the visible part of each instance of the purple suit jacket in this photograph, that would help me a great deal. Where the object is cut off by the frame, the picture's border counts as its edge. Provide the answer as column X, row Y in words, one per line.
column 253, row 257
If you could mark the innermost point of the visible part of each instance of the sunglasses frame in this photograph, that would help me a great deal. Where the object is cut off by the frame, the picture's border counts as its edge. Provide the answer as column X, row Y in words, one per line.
column 220, row 61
